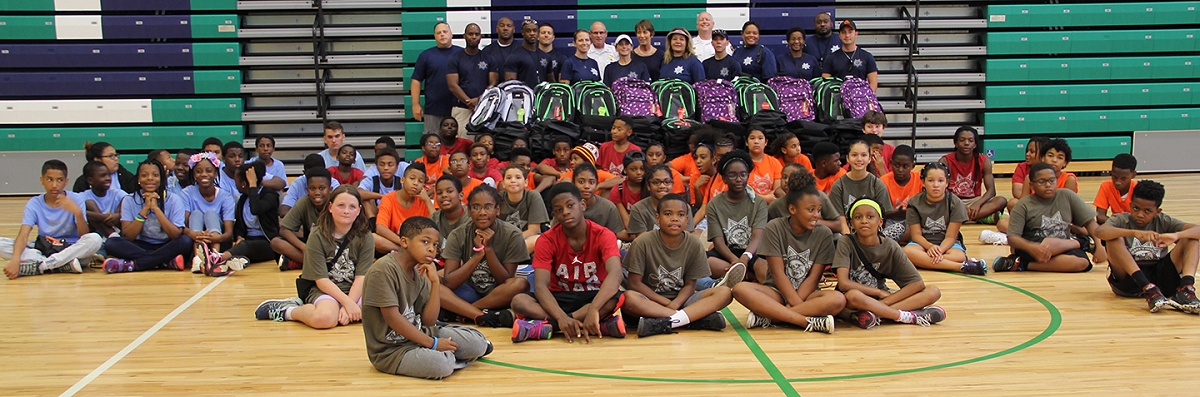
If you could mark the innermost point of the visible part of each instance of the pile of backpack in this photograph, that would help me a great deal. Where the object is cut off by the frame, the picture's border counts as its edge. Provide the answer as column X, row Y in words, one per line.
column 667, row 111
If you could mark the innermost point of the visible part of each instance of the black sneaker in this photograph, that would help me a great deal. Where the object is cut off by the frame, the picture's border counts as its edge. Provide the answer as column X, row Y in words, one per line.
column 1006, row 264
column 713, row 322
column 1185, row 300
column 495, row 319
column 820, row 324
column 1154, row 298
column 974, row 267
column 929, row 315
column 648, row 326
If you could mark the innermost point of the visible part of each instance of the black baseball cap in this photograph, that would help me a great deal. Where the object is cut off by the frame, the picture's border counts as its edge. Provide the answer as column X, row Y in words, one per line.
column 849, row 23
column 720, row 32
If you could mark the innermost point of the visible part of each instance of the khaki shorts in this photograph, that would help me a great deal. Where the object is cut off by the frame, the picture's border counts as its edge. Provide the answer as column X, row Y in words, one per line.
column 463, row 115
column 971, row 201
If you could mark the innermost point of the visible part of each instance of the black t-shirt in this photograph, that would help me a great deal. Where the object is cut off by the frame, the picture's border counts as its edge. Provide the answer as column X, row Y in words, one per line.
column 530, row 66
column 615, row 71
column 653, row 63
column 858, row 63
column 498, row 54
column 725, row 69
column 472, row 71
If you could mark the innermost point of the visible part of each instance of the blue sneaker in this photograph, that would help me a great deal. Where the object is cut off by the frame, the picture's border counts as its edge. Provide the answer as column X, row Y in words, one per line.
column 274, row 309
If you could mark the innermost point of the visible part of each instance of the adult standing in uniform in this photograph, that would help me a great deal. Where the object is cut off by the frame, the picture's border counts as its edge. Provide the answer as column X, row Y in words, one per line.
column 851, row 60
column 468, row 74
column 822, row 42
column 430, row 72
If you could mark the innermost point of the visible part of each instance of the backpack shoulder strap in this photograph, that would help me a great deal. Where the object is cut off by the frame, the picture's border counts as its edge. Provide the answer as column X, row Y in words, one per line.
column 862, row 258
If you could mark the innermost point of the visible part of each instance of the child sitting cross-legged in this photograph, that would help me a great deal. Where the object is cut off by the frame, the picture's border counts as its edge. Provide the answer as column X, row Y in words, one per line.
column 151, row 227
column 62, row 231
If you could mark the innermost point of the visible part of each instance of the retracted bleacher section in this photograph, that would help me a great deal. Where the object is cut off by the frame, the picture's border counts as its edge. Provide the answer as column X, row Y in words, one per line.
column 140, row 74
column 947, row 61
column 1110, row 77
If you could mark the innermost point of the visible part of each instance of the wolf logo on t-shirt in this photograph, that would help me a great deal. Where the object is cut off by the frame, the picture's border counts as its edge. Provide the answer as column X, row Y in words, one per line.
column 343, row 269
column 797, row 265
column 737, row 233
column 412, row 317
column 516, row 220
column 668, row 280
column 935, row 225
column 761, row 183
column 860, row 275
column 1054, row 227
column 1146, row 250
column 963, row 185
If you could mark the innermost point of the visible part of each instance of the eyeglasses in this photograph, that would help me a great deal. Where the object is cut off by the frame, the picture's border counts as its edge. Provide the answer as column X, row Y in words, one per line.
column 433, row 144
column 113, row 156
column 488, row 207
column 1045, row 182
column 458, row 161
column 661, row 182
column 737, row 175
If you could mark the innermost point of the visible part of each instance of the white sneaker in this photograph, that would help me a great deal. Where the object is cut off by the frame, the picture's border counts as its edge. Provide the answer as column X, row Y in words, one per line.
column 993, row 237
column 753, row 320
column 237, row 262
column 734, row 275
column 74, row 266
column 197, row 263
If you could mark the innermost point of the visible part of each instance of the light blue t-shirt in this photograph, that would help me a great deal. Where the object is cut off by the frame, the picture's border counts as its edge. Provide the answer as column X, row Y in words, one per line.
column 368, row 183
column 173, row 207
column 374, row 171
column 275, row 170
column 228, row 184
column 253, row 228
column 223, row 203
column 330, row 160
column 110, row 203
column 173, row 184
column 53, row 222
column 299, row 188
column 116, row 182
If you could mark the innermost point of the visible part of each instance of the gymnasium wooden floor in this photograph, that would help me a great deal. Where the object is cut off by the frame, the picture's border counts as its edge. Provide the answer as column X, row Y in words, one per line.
column 171, row 333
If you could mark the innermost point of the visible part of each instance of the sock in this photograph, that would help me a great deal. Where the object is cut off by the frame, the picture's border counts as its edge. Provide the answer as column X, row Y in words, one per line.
column 1186, row 281
column 679, row 319
column 287, row 314
column 1140, row 279
column 906, row 317
column 553, row 325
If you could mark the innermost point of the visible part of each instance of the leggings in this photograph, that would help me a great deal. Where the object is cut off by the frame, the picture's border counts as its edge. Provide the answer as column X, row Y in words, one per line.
column 254, row 248
column 148, row 256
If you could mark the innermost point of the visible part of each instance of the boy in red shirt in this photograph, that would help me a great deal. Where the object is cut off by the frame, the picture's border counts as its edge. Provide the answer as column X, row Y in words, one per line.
column 971, row 178
column 577, row 275
column 1117, row 194
column 612, row 153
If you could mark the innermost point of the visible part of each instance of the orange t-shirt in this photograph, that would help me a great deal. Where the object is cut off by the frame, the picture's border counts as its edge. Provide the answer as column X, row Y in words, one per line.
column 900, row 194
column 677, row 177
column 717, row 186
column 392, row 214
column 826, row 184
column 766, row 172
column 685, row 164
column 1062, row 181
column 804, row 161
column 530, row 181
column 466, row 192
column 703, row 192
column 601, row 176
column 433, row 171
column 1109, row 198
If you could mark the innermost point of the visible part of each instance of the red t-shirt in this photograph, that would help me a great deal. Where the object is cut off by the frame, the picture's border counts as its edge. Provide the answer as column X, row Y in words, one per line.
column 1020, row 173
column 572, row 271
column 356, row 175
column 965, row 179
column 459, row 145
column 491, row 173
column 611, row 160
column 622, row 196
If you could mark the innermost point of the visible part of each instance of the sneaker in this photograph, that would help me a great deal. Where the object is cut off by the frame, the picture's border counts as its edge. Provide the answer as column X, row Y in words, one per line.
column 176, row 264
column 820, row 324
column 203, row 255
column 929, row 315
column 274, row 309
column 495, row 319
column 237, row 262
column 197, row 264
column 283, row 260
column 1185, row 300
column 612, row 326
column 1154, row 297
column 96, row 262
column 220, row 270
column 1006, row 264
column 713, row 322
column 990, row 219
column 864, row 319
column 648, row 326
column 734, row 275
column 73, row 267
column 114, row 265
column 993, row 237
column 975, row 267
column 756, row 321
column 29, row 268
column 524, row 330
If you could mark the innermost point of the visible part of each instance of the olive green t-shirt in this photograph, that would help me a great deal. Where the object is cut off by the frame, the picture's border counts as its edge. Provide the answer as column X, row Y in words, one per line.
column 530, row 209
column 643, row 217
column 663, row 269
column 302, row 217
column 319, row 262
column 390, row 284
column 887, row 258
column 1035, row 219
column 605, row 213
column 508, row 244
column 735, row 221
column 798, row 251
column 845, row 191
column 779, row 208
column 934, row 218
column 1147, row 253
column 444, row 227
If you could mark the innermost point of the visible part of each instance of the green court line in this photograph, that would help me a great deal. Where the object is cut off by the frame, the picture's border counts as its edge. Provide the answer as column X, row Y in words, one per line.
column 761, row 355
column 1051, row 328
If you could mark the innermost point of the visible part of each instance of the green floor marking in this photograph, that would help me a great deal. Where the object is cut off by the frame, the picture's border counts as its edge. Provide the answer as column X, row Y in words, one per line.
column 761, row 355
column 1051, row 328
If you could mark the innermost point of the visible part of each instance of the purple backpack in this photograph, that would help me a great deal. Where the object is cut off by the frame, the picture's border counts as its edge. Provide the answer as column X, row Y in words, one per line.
column 634, row 97
column 795, row 97
column 717, row 100
column 858, row 98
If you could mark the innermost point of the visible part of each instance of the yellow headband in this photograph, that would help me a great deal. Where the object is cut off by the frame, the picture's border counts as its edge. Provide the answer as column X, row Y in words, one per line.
column 866, row 202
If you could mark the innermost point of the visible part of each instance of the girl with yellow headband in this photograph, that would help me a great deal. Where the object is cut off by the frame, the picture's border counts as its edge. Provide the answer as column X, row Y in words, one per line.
column 865, row 260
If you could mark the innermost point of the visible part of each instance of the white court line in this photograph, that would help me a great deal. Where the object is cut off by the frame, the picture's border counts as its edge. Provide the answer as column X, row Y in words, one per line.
column 138, row 342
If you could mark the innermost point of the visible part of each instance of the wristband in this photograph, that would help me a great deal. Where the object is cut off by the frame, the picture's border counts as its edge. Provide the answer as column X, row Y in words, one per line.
column 434, row 347
column 139, row 218
column 477, row 249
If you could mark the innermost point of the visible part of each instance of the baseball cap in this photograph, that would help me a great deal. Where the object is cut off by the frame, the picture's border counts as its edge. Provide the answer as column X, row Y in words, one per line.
column 623, row 37
column 720, row 32
column 849, row 23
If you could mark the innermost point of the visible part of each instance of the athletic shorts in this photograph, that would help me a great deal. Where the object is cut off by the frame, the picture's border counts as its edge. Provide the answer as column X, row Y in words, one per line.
column 970, row 201
column 324, row 297
column 1085, row 243
column 571, row 302
column 956, row 245
column 1163, row 274
column 713, row 253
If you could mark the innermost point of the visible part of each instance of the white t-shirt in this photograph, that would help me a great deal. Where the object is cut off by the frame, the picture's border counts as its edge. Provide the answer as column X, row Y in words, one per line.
column 603, row 57
column 704, row 49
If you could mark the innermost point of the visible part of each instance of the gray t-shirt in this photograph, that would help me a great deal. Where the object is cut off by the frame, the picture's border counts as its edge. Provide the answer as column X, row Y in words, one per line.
column 887, row 258
column 302, row 217
column 798, row 251
column 934, row 218
column 1035, row 219
column 389, row 284
column 444, row 227
column 663, row 269
column 605, row 214
column 507, row 242
column 530, row 209
column 319, row 262
column 1147, row 253
column 735, row 221
column 643, row 217
column 779, row 208
column 845, row 191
